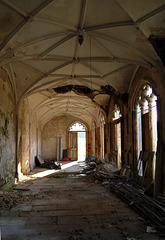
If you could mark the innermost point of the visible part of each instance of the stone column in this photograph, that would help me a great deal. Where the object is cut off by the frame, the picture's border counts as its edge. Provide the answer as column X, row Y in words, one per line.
column 150, row 104
column 58, row 149
column 135, row 134
column 159, row 155
column 141, row 103
column 30, row 147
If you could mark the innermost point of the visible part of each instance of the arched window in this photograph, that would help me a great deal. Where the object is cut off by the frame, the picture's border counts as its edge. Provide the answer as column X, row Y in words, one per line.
column 77, row 127
column 116, row 113
column 146, row 124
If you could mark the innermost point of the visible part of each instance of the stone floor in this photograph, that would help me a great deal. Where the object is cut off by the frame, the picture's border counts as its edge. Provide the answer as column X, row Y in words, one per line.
column 64, row 206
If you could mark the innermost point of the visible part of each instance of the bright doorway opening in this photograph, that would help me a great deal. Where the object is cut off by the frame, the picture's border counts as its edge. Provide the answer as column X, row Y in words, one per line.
column 81, row 146
column 77, row 141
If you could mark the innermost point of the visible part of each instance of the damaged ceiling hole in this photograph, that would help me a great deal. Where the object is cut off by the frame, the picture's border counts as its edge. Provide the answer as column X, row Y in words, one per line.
column 76, row 88
column 84, row 90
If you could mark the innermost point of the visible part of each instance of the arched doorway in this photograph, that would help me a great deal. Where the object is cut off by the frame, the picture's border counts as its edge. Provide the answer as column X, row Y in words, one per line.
column 77, row 141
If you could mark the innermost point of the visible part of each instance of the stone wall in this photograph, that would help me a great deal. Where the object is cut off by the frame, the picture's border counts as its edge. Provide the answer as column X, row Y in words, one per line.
column 7, row 129
column 27, row 138
column 33, row 141
column 56, row 127
column 23, row 137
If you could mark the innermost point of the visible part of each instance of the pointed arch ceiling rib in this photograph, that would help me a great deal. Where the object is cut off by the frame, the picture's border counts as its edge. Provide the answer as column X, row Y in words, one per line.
column 40, row 48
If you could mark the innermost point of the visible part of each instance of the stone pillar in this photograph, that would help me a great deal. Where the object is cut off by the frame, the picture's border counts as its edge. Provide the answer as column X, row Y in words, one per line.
column 61, row 148
column 159, row 155
column 135, row 125
column 141, row 103
column 30, row 147
column 135, row 137
column 25, row 150
column 93, row 142
column 58, row 149
column 150, row 104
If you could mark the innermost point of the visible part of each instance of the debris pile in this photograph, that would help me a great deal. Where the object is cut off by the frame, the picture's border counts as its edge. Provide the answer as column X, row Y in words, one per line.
column 136, row 198
column 80, row 234
column 121, row 183
column 9, row 200
column 52, row 164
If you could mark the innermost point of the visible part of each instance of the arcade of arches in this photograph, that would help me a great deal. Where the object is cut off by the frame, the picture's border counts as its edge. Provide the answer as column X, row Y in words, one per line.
column 103, row 73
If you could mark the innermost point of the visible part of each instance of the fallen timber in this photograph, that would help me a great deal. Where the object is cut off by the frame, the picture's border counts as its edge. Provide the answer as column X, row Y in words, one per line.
column 135, row 197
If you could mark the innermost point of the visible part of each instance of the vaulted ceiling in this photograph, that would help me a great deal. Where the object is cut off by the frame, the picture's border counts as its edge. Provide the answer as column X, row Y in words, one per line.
column 70, row 56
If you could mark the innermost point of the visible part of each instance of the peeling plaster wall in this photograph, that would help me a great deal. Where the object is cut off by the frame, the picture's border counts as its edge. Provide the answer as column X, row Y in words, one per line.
column 27, row 138
column 56, row 127
column 39, row 140
column 23, row 138
column 33, row 138
column 7, row 129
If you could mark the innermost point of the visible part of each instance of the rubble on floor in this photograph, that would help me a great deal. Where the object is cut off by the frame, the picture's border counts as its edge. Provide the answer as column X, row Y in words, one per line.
column 72, row 208
column 122, row 184
column 9, row 200
column 52, row 164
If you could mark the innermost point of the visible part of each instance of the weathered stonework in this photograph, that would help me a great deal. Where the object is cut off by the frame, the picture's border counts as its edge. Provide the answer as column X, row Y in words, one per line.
column 7, row 129
column 56, row 127
column 27, row 138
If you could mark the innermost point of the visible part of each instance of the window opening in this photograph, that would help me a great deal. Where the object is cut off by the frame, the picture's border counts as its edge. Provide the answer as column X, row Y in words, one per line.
column 78, row 127
column 139, row 138
column 116, row 113
column 145, row 106
column 81, row 145
column 146, row 125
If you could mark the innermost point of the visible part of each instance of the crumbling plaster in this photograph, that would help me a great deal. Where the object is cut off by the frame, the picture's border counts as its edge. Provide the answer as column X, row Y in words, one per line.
column 7, row 129
column 27, row 138
column 33, row 129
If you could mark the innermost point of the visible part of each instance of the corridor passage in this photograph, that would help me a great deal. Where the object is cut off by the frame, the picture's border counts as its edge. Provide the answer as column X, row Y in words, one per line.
column 65, row 206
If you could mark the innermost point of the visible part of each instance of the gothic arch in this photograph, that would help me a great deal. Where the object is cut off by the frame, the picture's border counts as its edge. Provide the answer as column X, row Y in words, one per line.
column 141, row 83
column 80, row 123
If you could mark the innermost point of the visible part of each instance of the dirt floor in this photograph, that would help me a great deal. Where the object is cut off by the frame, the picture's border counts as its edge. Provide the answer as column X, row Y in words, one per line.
column 62, row 205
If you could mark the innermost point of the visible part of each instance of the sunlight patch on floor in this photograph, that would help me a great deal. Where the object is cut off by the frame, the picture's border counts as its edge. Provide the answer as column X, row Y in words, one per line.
column 40, row 173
